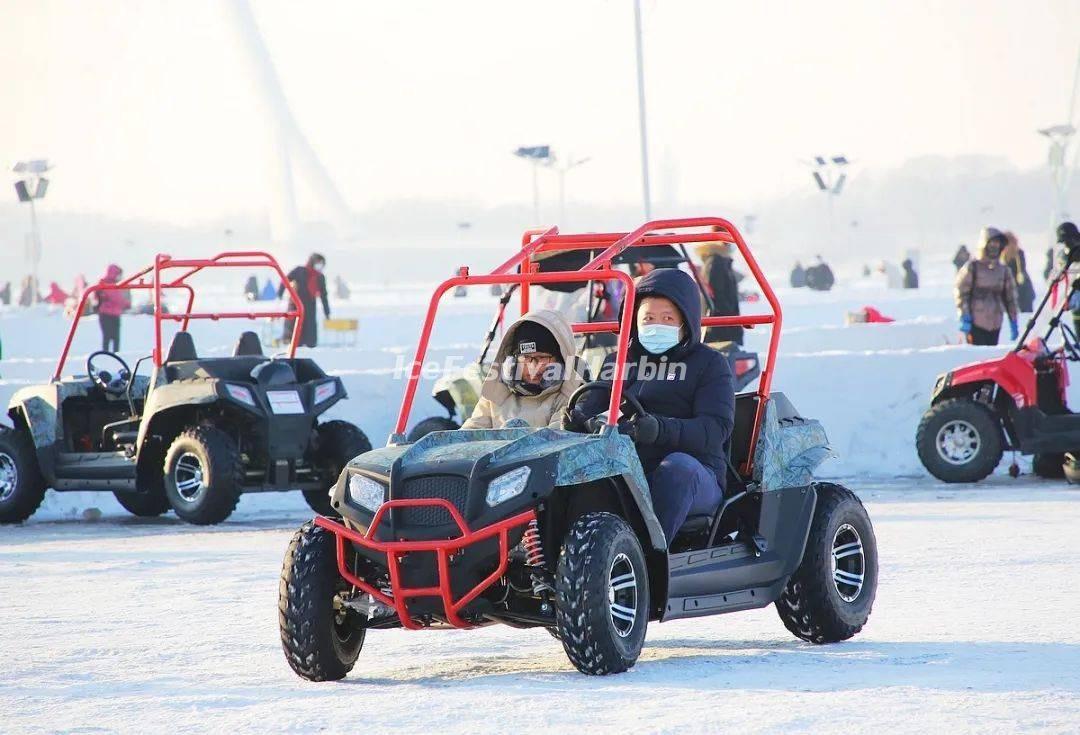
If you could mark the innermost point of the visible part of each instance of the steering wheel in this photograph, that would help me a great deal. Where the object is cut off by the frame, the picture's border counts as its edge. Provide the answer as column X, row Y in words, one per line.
column 113, row 385
column 630, row 406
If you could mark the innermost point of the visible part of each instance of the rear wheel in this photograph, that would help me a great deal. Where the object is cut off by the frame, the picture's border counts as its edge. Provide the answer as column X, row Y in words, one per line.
column 338, row 443
column 1051, row 465
column 430, row 424
column 320, row 636
column 601, row 595
column 830, row 595
column 22, row 488
column 144, row 505
column 202, row 475
column 959, row 440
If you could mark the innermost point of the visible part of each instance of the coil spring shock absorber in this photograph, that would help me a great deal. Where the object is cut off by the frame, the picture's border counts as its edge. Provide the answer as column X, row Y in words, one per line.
column 534, row 556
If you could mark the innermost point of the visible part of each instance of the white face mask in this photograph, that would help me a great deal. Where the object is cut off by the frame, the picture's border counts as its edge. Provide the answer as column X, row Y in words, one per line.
column 319, row 267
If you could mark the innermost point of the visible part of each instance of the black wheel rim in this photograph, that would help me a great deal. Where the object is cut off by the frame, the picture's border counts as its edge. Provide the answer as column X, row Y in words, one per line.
column 848, row 563
column 9, row 476
column 622, row 595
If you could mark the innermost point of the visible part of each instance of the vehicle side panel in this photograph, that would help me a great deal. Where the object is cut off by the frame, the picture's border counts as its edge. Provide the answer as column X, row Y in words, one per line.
column 740, row 576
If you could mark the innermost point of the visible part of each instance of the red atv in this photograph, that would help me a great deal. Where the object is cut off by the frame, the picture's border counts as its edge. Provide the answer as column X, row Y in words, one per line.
column 1016, row 402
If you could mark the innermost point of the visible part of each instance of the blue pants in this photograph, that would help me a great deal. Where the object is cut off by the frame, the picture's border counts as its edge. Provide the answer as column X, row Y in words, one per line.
column 681, row 486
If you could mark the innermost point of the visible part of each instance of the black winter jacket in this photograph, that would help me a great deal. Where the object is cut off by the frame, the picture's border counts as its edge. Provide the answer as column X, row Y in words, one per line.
column 696, row 409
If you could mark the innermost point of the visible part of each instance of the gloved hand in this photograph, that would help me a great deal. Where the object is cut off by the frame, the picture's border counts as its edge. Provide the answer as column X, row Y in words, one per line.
column 326, row 313
column 574, row 420
column 643, row 428
column 965, row 324
column 1014, row 329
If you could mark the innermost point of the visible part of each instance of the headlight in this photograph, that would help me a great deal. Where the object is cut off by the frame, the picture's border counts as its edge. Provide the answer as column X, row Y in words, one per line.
column 325, row 391
column 507, row 485
column 240, row 393
column 366, row 492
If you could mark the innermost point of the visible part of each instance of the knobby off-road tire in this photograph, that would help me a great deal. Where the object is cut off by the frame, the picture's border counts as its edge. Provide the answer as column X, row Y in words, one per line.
column 818, row 604
column 338, row 443
column 321, row 641
column 22, row 487
column 973, row 423
column 1050, row 465
column 203, row 475
column 145, row 505
column 593, row 594
column 430, row 424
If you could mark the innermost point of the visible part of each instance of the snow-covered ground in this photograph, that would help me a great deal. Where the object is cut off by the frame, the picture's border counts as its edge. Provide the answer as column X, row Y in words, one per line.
column 147, row 626
column 108, row 622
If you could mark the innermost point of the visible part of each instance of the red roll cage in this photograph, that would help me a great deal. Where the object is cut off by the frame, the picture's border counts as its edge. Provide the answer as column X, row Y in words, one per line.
column 611, row 244
column 157, row 284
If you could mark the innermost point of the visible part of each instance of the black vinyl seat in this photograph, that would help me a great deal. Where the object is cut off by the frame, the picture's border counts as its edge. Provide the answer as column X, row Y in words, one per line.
column 248, row 346
column 182, row 348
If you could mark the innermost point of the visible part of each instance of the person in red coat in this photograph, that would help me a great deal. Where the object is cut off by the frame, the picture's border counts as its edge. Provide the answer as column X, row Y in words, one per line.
column 310, row 284
column 110, row 305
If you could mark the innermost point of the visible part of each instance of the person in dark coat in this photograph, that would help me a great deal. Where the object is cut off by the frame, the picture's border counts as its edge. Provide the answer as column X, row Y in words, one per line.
column 687, row 391
column 798, row 276
column 962, row 256
column 251, row 289
column 819, row 277
column 911, row 278
column 1049, row 267
column 718, row 274
column 310, row 284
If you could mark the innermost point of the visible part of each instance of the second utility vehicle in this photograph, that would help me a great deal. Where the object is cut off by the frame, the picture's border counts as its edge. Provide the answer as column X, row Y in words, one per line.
column 194, row 434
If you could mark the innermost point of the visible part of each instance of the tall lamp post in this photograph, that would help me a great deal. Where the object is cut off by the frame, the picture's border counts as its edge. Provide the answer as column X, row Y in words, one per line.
column 537, row 155
column 30, row 186
column 830, row 176
column 562, row 169
column 646, row 195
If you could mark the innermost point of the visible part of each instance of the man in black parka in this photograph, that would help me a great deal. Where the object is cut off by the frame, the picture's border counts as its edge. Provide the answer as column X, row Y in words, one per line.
column 310, row 284
column 687, row 391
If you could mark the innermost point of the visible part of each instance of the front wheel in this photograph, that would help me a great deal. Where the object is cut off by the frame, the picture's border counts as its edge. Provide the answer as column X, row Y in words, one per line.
column 830, row 595
column 338, row 442
column 320, row 636
column 22, row 488
column 959, row 440
column 601, row 595
column 202, row 475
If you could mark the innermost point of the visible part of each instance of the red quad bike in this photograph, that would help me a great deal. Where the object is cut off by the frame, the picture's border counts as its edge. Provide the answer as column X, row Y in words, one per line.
column 193, row 434
column 541, row 528
column 1016, row 402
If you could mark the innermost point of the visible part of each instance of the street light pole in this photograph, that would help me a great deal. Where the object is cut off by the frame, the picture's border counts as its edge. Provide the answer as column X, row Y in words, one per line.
column 646, row 196
column 32, row 185
column 536, row 155
column 562, row 171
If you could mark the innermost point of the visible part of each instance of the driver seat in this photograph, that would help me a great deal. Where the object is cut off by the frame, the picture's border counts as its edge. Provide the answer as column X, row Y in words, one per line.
column 694, row 532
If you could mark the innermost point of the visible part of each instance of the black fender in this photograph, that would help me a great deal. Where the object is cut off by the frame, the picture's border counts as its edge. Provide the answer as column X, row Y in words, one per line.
column 611, row 495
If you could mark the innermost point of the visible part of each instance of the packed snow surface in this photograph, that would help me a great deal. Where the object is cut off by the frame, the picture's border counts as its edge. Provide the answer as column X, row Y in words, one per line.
column 155, row 626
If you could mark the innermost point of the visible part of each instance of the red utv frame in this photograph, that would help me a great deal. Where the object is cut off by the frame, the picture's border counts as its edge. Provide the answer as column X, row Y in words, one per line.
column 1016, row 402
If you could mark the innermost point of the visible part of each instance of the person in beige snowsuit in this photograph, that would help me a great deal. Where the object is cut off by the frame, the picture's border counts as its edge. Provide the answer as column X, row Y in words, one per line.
column 986, row 292
column 533, row 375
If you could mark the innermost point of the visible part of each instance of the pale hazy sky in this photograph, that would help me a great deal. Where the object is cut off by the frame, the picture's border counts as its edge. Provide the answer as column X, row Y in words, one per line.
column 147, row 109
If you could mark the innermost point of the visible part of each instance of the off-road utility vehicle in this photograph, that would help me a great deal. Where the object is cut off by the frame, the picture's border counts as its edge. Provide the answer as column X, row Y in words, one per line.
column 1016, row 402
column 459, row 391
column 195, row 433
column 555, row 529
